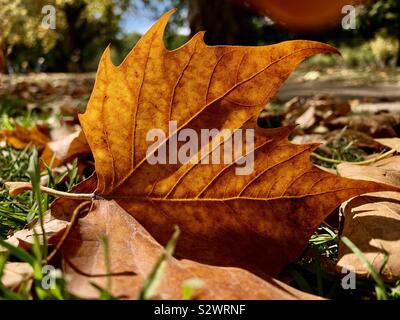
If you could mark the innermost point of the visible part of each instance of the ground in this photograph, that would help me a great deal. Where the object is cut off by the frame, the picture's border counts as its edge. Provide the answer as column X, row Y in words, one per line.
column 336, row 95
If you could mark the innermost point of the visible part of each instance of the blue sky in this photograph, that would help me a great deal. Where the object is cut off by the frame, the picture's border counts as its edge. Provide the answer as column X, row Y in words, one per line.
column 140, row 24
column 136, row 23
column 141, row 19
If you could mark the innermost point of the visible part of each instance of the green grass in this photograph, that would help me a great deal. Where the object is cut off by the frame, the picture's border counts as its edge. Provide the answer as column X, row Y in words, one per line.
column 37, row 257
column 17, row 212
column 309, row 273
column 14, row 212
column 341, row 149
column 151, row 283
column 14, row 110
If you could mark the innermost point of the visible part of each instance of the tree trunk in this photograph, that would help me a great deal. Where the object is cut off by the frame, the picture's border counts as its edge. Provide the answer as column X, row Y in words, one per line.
column 3, row 58
column 398, row 57
column 72, row 13
column 3, row 62
column 225, row 22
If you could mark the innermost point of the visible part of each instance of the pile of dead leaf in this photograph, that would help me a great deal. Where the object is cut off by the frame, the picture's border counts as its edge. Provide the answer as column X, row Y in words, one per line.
column 347, row 130
column 237, row 231
column 39, row 88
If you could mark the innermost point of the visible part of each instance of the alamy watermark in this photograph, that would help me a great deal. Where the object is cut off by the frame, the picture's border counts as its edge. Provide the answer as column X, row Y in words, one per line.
column 49, row 20
column 349, row 21
column 349, row 280
column 50, row 276
column 188, row 147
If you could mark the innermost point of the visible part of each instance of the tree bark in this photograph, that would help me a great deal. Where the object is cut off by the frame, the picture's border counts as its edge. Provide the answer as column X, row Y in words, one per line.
column 72, row 13
column 398, row 56
column 3, row 62
column 225, row 22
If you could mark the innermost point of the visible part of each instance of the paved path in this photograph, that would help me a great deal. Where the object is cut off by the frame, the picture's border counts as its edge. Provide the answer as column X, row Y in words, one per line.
column 391, row 92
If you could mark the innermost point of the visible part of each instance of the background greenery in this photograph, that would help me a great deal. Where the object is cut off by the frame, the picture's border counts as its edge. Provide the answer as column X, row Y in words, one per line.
column 86, row 27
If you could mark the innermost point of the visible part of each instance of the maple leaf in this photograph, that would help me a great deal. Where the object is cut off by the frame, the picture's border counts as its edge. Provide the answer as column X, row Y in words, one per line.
column 260, row 221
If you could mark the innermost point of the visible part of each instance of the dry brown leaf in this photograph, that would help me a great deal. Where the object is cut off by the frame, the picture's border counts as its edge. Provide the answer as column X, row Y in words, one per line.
column 356, row 138
column 66, row 149
column 15, row 273
column 132, row 249
column 311, row 114
column 385, row 171
column 372, row 221
column 307, row 119
column 16, row 188
column 308, row 138
column 378, row 126
column 13, row 241
column 62, row 130
column 259, row 222
column 21, row 137
column 54, row 229
column 392, row 143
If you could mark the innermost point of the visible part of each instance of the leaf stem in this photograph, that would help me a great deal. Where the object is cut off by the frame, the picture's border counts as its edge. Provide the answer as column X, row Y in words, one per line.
column 19, row 187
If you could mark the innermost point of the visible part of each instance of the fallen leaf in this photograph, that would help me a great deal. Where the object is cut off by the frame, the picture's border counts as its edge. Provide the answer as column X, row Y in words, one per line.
column 66, row 149
column 15, row 273
column 372, row 221
column 378, row 126
column 132, row 249
column 308, row 138
column 384, row 171
column 21, row 137
column 16, row 188
column 54, row 229
column 356, row 138
column 392, row 143
column 307, row 119
column 377, row 107
column 261, row 221
column 61, row 129
column 13, row 241
column 311, row 114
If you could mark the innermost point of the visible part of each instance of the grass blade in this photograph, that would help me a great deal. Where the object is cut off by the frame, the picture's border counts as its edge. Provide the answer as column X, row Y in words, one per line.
column 381, row 288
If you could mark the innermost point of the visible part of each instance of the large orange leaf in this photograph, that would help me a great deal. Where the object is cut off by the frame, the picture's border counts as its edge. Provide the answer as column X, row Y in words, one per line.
column 260, row 221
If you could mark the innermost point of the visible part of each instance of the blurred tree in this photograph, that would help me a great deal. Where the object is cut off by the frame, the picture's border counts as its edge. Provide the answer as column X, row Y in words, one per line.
column 88, row 27
column 17, row 26
column 155, row 8
column 382, row 18
column 226, row 21
column 83, row 29
column 124, row 46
